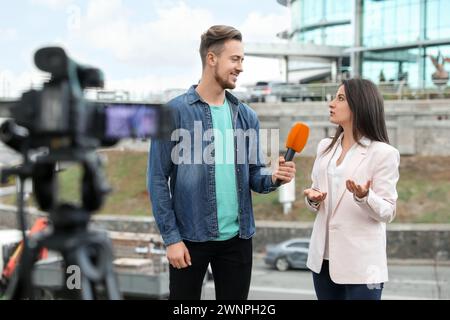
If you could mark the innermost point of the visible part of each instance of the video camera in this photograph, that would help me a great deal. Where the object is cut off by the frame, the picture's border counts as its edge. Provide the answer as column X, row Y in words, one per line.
column 60, row 120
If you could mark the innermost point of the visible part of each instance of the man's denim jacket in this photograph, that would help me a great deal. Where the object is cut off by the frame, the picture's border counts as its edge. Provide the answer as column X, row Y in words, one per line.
column 183, row 194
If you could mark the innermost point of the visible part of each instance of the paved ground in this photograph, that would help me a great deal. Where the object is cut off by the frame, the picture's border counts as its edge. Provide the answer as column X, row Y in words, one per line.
column 416, row 281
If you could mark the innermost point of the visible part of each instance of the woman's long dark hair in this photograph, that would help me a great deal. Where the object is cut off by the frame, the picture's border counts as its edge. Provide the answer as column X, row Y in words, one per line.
column 367, row 106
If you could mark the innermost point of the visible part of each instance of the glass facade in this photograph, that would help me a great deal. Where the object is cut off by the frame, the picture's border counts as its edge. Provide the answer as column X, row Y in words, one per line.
column 322, row 22
column 393, row 66
column 437, row 19
column 413, row 65
column 397, row 22
column 391, row 22
column 385, row 25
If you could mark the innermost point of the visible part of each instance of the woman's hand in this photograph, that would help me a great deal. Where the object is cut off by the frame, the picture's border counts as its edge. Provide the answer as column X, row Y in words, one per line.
column 358, row 190
column 314, row 195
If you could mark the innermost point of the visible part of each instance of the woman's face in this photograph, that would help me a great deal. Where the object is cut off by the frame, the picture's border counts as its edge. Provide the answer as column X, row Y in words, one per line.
column 340, row 112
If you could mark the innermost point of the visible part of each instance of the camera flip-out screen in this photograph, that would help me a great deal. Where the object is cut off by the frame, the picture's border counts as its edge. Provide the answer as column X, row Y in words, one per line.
column 131, row 120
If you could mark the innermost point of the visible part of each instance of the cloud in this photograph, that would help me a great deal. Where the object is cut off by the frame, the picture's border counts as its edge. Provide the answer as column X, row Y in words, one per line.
column 264, row 27
column 166, row 47
column 13, row 84
column 7, row 34
column 171, row 39
column 160, row 47
column 52, row 4
column 260, row 27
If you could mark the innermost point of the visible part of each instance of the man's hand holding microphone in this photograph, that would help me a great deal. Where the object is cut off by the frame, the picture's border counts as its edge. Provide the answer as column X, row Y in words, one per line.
column 285, row 171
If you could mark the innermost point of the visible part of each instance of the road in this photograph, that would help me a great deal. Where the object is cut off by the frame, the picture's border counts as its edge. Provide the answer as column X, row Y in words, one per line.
column 406, row 282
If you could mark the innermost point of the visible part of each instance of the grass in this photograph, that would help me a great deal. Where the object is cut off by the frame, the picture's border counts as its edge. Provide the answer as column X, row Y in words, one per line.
column 424, row 189
column 126, row 174
column 267, row 207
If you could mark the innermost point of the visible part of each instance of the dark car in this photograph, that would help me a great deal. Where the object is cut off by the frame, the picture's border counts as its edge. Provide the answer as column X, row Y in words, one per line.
column 288, row 254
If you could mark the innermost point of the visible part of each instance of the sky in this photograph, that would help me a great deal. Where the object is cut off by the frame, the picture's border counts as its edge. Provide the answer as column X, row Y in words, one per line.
column 143, row 46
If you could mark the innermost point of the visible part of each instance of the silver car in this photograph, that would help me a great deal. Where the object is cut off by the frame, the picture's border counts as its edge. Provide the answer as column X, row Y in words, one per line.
column 288, row 254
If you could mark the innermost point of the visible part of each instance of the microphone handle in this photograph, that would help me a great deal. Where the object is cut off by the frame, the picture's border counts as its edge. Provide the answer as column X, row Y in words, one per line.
column 289, row 155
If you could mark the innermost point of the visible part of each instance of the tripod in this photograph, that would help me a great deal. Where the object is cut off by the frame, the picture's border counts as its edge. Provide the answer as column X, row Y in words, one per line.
column 87, row 251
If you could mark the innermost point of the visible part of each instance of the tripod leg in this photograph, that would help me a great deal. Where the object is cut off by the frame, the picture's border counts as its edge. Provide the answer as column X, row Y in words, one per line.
column 21, row 285
column 94, row 258
column 110, row 278
column 112, row 286
column 85, row 290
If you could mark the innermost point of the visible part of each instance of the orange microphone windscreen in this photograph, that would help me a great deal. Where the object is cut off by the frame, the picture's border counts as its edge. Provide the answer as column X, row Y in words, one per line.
column 297, row 137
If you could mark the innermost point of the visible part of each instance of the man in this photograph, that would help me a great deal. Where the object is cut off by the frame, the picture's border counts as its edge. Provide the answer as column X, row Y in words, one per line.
column 205, row 213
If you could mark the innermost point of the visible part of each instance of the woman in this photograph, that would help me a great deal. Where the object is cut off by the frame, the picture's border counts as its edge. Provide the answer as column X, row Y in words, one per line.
column 354, row 194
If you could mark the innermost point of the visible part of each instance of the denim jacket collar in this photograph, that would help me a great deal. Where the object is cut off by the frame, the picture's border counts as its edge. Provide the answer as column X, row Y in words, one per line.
column 193, row 96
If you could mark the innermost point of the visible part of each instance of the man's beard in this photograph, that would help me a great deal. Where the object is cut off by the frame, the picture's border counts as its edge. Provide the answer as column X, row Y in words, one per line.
column 223, row 83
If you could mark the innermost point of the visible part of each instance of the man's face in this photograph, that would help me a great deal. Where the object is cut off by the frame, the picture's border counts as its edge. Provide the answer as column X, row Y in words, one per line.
column 229, row 64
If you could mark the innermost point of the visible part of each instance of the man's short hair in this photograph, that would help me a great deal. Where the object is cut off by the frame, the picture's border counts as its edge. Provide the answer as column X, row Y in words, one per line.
column 215, row 37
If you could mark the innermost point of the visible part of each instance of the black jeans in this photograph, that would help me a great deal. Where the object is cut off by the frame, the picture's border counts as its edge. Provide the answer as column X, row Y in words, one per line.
column 326, row 289
column 231, row 264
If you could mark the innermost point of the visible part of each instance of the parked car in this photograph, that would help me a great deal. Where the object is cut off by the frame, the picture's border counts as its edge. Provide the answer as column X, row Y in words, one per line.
column 263, row 90
column 293, row 92
column 271, row 91
column 290, row 254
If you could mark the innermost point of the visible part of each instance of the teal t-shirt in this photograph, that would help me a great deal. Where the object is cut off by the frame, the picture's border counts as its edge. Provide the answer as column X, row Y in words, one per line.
column 225, row 174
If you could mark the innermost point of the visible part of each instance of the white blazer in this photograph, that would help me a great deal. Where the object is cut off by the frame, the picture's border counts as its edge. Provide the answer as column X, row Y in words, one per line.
column 357, row 231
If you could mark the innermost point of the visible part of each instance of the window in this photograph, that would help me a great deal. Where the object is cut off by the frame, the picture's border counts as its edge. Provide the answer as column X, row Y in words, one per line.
column 299, row 245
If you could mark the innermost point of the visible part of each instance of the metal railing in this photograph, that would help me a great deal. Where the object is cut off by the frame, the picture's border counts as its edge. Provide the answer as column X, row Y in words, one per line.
column 298, row 92
column 327, row 91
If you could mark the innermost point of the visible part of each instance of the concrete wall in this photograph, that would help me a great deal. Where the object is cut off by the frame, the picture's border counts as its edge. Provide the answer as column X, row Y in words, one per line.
column 405, row 241
column 419, row 127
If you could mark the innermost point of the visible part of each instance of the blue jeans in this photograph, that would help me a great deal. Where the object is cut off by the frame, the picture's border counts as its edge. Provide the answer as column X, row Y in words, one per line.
column 326, row 289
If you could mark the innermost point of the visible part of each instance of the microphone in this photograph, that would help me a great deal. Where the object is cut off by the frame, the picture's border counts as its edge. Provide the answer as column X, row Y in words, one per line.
column 295, row 142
